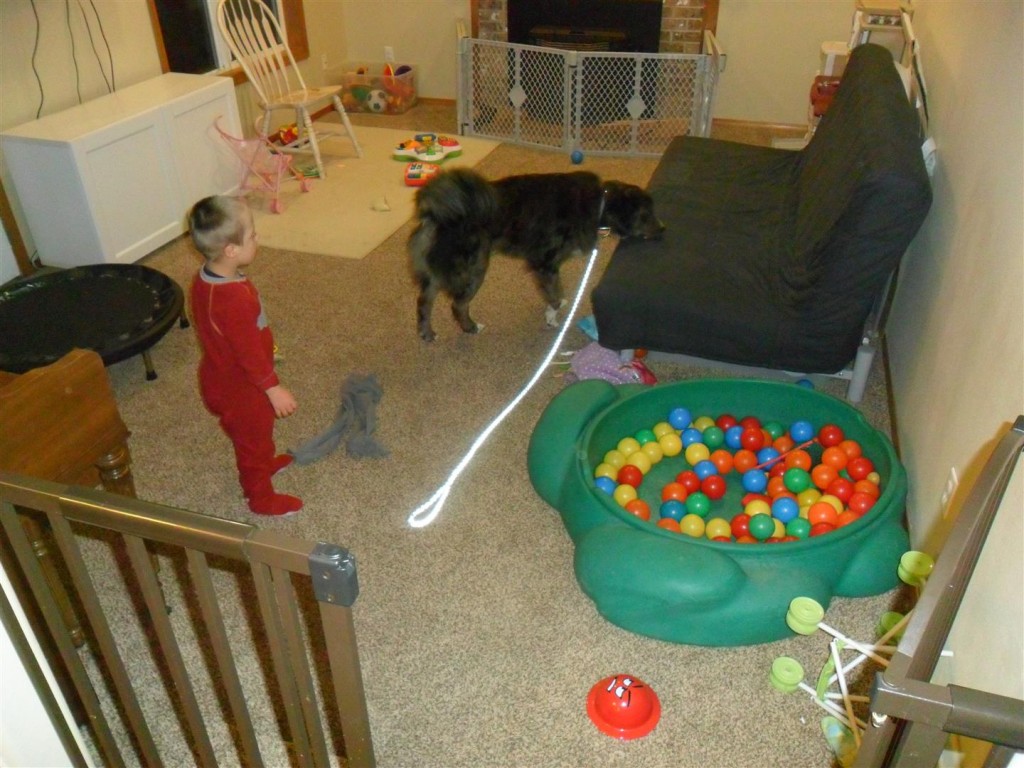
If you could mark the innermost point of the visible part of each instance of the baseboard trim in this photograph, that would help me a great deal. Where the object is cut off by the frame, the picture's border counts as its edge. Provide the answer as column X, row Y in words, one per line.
column 781, row 130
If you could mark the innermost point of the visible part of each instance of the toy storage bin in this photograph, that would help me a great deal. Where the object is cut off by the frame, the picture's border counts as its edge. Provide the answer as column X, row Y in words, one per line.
column 370, row 88
column 697, row 591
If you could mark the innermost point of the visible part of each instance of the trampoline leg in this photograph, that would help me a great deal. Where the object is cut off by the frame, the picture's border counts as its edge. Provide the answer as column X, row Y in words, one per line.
column 183, row 320
column 861, row 369
column 150, row 370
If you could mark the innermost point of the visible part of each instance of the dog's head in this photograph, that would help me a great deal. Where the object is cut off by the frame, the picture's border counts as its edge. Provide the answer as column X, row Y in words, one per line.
column 629, row 212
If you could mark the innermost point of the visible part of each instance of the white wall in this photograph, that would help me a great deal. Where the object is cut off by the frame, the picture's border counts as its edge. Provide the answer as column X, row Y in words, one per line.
column 956, row 334
column 421, row 33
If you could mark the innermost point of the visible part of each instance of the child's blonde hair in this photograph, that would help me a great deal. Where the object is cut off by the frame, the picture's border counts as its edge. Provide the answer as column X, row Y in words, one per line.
column 216, row 222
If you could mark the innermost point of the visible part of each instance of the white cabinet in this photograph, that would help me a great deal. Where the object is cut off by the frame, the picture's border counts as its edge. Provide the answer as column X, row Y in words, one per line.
column 111, row 180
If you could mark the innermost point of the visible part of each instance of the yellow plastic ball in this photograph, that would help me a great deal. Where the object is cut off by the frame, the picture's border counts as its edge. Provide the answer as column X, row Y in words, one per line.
column 640, row 460
column 696, row 452
column 654, row 451
column 670, row 444
column 703, row 422
column 805, row 510
column 808, row 497
column 692, row 525
column 836, row 503
column 615, row 457
column 624, row 494
column 758, row 507
column 717, row 526
column 874, row 477
column 628, row 445
column 606, row 470
column 780, row 529
column 662, row 428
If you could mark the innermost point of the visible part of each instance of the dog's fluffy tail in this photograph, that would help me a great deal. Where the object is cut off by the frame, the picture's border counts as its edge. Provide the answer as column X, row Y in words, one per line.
column 458, row 197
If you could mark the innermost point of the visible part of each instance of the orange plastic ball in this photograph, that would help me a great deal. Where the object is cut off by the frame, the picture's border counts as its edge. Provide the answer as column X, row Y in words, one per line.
column 676, row 491
column 822, row 512
column 822, row 475
column 744, row 460
column 669, row 524
column 835, row 457
column 723, row 461
column 799, row 458
column 851, row 448
column 639, row 508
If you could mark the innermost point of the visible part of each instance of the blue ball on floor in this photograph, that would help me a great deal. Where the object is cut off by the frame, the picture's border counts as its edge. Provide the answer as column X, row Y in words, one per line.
column 576, row 157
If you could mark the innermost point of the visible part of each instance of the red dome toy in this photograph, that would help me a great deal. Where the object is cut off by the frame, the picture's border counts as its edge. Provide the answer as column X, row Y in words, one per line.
column 623, row 707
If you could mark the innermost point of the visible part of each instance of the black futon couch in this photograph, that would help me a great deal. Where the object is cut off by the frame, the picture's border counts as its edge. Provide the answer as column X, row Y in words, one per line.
column 774, row 258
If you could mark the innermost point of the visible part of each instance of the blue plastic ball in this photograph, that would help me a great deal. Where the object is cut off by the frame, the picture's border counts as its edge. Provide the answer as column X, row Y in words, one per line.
column 785, row 509
column 705, row 468
column 605, row 484
column 801, row 431
column 672, row 509
column 732, row 437
column 767, row 456
column 691, row 436
column 576, row 157
column 679, row 418
column 805, row 383
column 754, row 481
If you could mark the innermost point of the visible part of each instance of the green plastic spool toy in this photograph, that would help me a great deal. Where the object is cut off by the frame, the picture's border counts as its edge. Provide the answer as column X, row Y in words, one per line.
column 674, row 587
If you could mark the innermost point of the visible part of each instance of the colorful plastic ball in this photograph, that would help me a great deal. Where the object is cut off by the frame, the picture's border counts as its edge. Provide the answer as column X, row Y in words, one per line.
column 783, row 443
column 627, row 445
column 754, row 480
column 747, row 539
column 798, row 527
column 661, row 429
column 801, row 431
column 774, row 428
column 714, row 437
column 749, row 497
column 874, row 477
column 605, row 484
column 605, row 470
column 722, row 460
column 743, row 460
column 808, row 497
column 645, row 436
column 761, row 526
column 847, row 517
column 670, row 444
column 713, row 486
column 836, row 504
column 823, row 475
column 615, row 457
column 861, row 502
column 851, row 448
column 777, row 485
column 780, row 529
column 669, row 524
column 689, row 480
column 696, row 453
column 623, row 494
column 822, row 512
column 638, row 508
column 757, row 507
column 692, row 525
column 841, row 488
column 679, row 418
column 725, row 421
column 830, row 435
column 860, row 467
column 576, row 157
column 717, row 528
column 750, row 422
column 797, row 479
column 778, row 469
column 653, row 451
column 673, row 509
column 698, row 503
column 705, row 468
column 675, row 491
column 640, row 460
column 630, row 475
column 690, row 436
column 805, row 383
column 835, row 457
column 732, row 436
column 703, row 422
column 785, row 509
column 752, row 438
column 799, row 458
column 868, row 487
column 820, row 529
column 767, row 456
column 740, row 525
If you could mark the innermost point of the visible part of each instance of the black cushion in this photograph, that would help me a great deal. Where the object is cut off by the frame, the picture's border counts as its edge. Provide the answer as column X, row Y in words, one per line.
column 772, row 257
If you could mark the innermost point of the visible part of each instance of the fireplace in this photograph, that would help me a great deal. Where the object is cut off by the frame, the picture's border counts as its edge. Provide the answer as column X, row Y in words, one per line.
column 587, row 25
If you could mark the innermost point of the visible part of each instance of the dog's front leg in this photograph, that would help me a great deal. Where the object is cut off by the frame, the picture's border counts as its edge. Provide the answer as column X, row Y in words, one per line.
column 550, row 285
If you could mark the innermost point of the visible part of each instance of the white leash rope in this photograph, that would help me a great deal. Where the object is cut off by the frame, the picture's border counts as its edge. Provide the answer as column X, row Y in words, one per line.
column 427, row 512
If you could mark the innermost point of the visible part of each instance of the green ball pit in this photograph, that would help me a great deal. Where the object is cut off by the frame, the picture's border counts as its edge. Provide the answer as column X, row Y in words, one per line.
column 680, row 589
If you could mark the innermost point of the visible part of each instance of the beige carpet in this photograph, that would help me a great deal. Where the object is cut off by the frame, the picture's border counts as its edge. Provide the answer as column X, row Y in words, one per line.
column 340, row 215
column 478, row 646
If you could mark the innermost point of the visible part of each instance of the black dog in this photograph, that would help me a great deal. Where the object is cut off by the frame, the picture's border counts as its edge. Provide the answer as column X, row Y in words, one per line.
column 542, row 218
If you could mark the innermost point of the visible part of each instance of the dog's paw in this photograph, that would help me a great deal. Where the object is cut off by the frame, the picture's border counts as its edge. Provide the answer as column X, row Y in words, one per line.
column 477, row 328
column 551, row 315
column 428, row 335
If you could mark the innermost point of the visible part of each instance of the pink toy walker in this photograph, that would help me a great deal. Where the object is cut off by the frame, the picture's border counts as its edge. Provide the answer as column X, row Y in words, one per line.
column 263, row 168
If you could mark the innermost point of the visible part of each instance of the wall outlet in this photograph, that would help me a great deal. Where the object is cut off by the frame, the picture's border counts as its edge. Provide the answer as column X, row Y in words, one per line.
column 947, row 493
column 389, row 53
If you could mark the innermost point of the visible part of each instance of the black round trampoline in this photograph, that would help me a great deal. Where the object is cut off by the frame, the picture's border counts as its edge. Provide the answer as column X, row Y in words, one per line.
column 116, row 310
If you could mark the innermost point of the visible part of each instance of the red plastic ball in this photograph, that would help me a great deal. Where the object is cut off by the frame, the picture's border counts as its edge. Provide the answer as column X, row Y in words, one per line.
column 740, row 525
column 713, row 487
column 830, row 435
column 841, row 488
column 726, row 421
column 860, row 467
column 750, row 422
column 868, row 487
column 689, row 480
column 630, row 475
column 860, row 502
column 639, row 508
column 821, row 529
column 752, row 438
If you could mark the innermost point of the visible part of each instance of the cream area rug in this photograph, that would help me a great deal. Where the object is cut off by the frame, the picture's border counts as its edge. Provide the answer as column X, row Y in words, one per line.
column 360, row 202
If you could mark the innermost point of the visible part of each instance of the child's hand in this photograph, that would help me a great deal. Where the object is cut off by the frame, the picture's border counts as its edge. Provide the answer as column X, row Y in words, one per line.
column 282, row 400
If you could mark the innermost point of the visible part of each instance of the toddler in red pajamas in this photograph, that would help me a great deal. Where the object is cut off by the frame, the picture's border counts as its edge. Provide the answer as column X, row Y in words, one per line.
column 236, row 373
